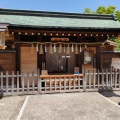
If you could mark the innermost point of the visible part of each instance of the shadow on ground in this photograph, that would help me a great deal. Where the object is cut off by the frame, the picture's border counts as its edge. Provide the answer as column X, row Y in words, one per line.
column 1, row 94
column 112, row 95
column 109, row 93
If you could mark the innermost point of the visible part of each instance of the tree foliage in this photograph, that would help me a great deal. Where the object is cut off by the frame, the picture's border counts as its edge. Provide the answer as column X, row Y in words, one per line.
column 108, row 10
column 87, row 10
column 118, row 45
column 104, row 10
column 101, row 10
column 118, row 14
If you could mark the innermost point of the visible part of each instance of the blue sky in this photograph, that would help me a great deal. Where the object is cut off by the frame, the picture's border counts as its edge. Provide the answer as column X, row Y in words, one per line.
column 58, row 5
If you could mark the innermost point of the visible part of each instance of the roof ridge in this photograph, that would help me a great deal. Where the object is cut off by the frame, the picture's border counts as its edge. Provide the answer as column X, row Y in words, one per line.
column 55, row 14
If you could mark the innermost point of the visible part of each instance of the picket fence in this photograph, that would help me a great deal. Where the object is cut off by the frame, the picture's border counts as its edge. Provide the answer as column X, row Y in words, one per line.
column 30, row 83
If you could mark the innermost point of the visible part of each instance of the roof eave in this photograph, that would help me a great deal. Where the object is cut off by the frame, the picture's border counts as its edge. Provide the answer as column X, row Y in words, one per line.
column 59, row 27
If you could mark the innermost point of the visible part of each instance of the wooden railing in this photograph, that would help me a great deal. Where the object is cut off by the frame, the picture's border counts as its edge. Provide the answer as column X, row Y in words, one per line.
column 19, row 84
column 31, row 83
column 34, row 83
column 61, row 83
column 107, row 79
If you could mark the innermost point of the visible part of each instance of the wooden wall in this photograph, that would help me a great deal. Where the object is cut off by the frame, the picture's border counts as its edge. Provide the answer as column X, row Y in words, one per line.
column 28, row 63
column 28, row 60
column 7, row 61
column 106, row 59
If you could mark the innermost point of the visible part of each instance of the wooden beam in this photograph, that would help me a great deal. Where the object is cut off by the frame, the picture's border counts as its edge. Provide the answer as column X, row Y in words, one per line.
column 63, row 33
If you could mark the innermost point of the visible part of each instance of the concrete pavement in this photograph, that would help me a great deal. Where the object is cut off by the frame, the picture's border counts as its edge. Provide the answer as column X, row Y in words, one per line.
column 10, row 107
column 70, row 106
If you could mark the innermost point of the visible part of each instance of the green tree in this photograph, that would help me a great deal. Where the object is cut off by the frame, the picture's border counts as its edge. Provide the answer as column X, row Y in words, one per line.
column 118, row 15
column 101, row 10
column 108, row 10
column 118, row 45
column 88, row 11
column 104, row 10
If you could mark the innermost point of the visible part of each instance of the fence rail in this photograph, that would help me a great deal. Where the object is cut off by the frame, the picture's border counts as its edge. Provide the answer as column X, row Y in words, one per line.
column 31, row 83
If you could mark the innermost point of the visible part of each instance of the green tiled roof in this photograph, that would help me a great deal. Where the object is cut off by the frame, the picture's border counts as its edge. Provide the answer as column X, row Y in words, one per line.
column 59, row 20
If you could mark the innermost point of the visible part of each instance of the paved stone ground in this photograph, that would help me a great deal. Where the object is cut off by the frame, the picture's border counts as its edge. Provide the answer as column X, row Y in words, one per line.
column 10, row 107
column 71, row 106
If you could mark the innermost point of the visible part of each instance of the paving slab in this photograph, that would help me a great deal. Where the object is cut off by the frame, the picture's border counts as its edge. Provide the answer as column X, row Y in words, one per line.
column 70, row 106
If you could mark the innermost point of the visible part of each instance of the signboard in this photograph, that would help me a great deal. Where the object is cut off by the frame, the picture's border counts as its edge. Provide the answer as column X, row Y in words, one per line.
column 76, row 70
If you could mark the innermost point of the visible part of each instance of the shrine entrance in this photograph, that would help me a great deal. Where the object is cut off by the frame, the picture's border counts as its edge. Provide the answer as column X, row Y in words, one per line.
column 60, row 62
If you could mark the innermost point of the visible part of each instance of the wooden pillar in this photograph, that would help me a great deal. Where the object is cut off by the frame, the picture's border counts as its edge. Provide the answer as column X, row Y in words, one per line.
column 98, row 57
column 2, row 40
column 18, row 54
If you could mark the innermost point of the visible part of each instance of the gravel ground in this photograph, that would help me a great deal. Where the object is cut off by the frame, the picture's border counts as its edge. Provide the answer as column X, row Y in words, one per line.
column 112, row 95
column 71, row 106
column 10, row 107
